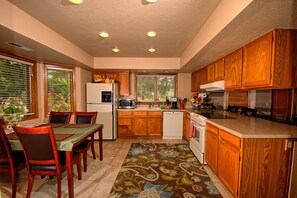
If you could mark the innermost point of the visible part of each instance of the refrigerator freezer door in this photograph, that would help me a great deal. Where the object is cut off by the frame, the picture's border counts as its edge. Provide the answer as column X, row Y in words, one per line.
column 94, row 91
column 105, row 117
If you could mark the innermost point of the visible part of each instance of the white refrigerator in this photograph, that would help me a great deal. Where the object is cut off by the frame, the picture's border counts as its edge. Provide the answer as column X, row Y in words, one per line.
column 102, row 97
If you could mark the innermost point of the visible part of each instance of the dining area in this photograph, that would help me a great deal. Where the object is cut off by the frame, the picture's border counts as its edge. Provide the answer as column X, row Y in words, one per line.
column 48, row 149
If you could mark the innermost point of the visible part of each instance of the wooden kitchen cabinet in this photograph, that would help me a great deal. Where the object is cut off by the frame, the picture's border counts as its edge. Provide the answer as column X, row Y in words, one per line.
column 198, row 78
column 211, row 147
column 219, row 69
column 187, row 125
column 233, row 70
column 210, row 73
column 124, row 81
column 140, row 123
column 125, row 124
column 155, row 123
column 270, row 60
column 229, row 161
column 249, row 167
column 194, row 81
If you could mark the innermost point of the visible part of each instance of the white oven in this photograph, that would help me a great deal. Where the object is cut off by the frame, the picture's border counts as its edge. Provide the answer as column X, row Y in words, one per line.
column 197, row 132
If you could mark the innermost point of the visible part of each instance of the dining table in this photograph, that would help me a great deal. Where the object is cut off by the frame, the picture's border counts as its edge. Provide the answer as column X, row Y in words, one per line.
column 67, row 137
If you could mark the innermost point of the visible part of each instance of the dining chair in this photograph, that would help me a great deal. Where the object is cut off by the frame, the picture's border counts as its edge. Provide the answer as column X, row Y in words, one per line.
column 10, row 161
column 59, row 117
column 42, row 155
column 85, row 118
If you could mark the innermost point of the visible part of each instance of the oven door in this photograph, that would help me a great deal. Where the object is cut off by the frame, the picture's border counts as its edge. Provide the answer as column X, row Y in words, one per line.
column 199, row 137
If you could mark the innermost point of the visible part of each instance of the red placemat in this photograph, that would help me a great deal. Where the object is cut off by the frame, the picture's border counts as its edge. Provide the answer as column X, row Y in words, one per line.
column 59, row 137
column 78, row 125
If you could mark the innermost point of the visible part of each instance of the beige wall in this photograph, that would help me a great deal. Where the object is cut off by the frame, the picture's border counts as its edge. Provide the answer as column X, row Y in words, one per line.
column 82, row 77
column 184, row 86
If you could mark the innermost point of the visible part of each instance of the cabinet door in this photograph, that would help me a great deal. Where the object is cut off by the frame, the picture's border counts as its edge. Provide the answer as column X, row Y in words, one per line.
column 124, row 81
column 125, row 127
column 186, row 129
column 257, row 62
column 211, row 150
column 219, row 71
column 233, row 70
column 155, row 126
column 210, row 73
column 203, row 76
column 140, row 124
column 228, row 166
column 194, row 83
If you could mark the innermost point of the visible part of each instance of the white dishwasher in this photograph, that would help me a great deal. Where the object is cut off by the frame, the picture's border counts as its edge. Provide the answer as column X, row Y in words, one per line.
column 173, row 125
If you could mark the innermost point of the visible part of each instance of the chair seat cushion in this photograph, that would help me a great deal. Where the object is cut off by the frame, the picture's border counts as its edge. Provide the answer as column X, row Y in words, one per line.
column 4, row 165
column 62, row 159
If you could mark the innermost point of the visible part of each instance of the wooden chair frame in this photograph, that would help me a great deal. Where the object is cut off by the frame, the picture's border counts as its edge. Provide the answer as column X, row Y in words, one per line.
column 87, row 144
column 12, row 168
column 54, row 113
column 57, row 171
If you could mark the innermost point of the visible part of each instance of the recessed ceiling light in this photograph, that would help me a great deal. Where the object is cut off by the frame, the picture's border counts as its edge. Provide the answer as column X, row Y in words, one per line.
column 151, row 1
column 103, row 34
column 76, row 1
column 151, row 50
column 116, row 50
column 151, row 34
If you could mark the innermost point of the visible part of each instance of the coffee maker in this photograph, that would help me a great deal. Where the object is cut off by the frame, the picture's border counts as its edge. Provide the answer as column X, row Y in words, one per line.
column 174, row 102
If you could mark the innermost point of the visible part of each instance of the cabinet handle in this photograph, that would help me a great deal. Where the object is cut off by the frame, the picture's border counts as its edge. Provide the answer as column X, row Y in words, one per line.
column 288, row 144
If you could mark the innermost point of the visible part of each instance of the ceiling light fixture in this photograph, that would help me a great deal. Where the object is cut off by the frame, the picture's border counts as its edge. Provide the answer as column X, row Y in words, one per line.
column 103, row 34
column 76, row 1
column 151, row 34
column 151, row 1
column 116, row 50
column 152, row 50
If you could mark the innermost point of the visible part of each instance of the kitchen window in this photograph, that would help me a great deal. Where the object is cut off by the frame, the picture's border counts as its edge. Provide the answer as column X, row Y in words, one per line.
column 151, row 88
column 18, row 79
column 59, row 89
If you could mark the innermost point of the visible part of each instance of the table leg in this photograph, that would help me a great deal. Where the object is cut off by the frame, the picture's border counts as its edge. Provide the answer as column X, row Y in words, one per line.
column 69, row 167
column 100, row 144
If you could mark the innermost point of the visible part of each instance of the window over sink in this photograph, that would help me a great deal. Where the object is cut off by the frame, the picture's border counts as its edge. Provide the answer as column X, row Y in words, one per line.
column 152, row 88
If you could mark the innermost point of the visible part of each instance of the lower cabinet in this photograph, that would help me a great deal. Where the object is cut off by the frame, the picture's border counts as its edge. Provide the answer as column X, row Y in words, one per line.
column 187, row 126
column 140, row 123
column 249, row 167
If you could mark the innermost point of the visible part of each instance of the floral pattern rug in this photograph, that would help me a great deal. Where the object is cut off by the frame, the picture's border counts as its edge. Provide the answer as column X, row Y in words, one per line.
column 162, row 170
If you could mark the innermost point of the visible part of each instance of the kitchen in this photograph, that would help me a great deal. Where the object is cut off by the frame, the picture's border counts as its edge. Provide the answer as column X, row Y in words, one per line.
column 191, row 63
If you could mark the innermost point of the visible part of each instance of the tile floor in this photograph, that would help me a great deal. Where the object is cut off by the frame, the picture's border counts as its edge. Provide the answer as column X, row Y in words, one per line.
column 99, row 179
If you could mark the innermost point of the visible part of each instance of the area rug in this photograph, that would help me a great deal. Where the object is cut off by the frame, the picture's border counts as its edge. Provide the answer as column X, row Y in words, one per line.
column 162, row 170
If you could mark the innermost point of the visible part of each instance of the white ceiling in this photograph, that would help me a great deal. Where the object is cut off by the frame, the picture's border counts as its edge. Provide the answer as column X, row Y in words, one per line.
column 176, row 22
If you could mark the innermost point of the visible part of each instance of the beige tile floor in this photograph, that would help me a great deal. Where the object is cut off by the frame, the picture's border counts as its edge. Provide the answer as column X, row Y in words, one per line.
column 97, row 182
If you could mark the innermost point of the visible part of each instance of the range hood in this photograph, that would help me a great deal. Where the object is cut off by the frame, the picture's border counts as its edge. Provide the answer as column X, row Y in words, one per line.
column 214, row 86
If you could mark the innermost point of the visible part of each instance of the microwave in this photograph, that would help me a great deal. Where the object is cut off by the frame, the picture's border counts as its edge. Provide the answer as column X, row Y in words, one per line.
column 126, row 104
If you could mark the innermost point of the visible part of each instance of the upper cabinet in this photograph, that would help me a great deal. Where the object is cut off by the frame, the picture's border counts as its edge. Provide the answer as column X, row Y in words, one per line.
column 219, row 69
column 269, row 61
column 124, row 81
column 198, row 78
column 233, row 70
column 210, row 73
column 109, row 77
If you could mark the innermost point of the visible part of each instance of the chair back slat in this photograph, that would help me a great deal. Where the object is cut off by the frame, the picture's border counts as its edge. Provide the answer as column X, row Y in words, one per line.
column 85, row 117
column 59, row 117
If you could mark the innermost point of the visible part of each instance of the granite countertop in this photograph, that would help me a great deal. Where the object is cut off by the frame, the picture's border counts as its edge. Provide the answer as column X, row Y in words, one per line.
column 250, row 127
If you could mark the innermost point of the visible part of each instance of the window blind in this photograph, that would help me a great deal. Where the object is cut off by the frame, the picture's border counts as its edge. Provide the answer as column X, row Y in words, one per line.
column 15, row 80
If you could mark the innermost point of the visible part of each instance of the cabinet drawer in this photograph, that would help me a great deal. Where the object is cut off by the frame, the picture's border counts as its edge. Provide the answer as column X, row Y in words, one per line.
column 124, row 113
column 155, row 113
column 212, row 129
column 227, row 137
column 125, row 121
column 139, row 113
